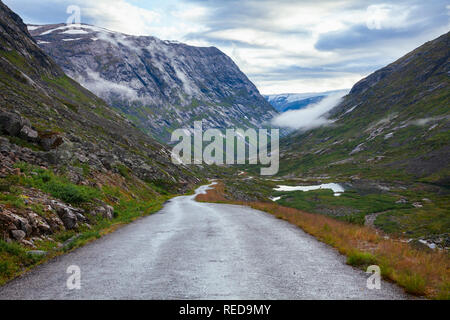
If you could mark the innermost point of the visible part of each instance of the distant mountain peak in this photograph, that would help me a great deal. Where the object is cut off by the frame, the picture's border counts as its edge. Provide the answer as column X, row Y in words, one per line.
column 294, row 101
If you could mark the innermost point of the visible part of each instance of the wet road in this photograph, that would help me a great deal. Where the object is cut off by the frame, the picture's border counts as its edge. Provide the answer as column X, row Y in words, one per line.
column 192, row 250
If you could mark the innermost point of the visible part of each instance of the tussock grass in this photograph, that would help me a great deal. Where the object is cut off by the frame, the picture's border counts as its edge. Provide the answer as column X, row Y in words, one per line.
column 359, row 259
column 13, row 259
column 418, row 272
column 217, row 194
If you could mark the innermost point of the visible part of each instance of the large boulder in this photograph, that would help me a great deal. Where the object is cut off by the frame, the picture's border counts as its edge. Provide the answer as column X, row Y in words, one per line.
column 21, row 223
column 50, row 141
column 68, row 218
column 11, row 123
column 106, row 211
column 18, row 235
column 39, row 225
column 27, row 133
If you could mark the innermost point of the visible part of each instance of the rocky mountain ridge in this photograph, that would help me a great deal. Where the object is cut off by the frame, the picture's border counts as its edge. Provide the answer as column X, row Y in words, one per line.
column 159, row 85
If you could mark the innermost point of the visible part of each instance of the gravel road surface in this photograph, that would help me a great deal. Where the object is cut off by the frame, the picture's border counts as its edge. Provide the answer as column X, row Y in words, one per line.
column 192, row 250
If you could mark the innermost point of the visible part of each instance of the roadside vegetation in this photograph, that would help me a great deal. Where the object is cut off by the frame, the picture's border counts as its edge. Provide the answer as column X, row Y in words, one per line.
column 130, row 197
column 422, row 273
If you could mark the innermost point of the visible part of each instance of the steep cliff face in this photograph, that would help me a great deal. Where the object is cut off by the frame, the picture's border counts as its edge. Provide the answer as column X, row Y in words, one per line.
column 159, row 85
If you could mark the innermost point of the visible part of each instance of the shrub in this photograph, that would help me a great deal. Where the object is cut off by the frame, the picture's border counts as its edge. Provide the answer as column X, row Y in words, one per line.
column 444, row 292
column 71, row 193
column 11, row 248
column 357, row 258
column 61, row 188
column 123, row 170
column 5, row 186
column 7, row 268
column 413, row 283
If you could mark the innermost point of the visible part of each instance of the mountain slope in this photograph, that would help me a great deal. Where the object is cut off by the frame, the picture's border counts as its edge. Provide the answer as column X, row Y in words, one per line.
column 389, row 146
column 71, row 168
column 394, row 121
column 33, row 85
column 159, row 85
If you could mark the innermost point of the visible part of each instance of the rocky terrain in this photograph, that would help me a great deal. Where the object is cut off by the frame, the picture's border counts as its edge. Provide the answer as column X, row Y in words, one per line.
column 70, row 166
column 159, row 85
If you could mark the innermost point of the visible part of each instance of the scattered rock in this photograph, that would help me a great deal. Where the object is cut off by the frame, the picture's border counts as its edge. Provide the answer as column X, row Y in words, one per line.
column 40, row 226
column 68, row 218
column 358, row 148
column 419, row 245
column 11, row 123
column 70, row 241
column 106, row 211
column 28, row 243
column 68, row 215
column 50, row 141
column 18, row 235
column 26, row 133
column 417, row 205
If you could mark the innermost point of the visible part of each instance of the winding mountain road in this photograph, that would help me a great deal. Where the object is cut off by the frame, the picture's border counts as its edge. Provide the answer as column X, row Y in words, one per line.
column 192, row 250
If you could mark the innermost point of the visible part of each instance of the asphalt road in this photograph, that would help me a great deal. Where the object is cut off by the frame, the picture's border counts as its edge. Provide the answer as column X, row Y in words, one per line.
column 192, row 250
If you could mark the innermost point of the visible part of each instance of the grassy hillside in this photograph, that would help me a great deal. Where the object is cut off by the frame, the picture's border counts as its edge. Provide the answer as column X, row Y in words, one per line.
column 393, row 125
column 389, row 145
column 71, row 168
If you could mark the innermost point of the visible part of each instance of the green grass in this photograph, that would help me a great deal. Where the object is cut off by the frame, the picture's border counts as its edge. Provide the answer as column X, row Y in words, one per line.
column 123, row 170
column 68, row 88
column 432, row 218
column 9, row 193
column 25, row 144
column 13, row 260
column 84, row 166
column 444, row 293
column 137, row 201
column 413, row 284
column 59, row 187
column 360, row 259
column 350, row 206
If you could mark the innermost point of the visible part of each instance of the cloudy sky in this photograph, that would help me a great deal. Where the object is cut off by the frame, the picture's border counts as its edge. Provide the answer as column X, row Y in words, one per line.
column 284, row 45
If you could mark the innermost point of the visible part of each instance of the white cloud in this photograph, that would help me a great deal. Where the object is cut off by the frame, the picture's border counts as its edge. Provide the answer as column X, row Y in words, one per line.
column 311, row 117
column 387, row 16
column 264, row 36
column 103, row 88
column 119, row 15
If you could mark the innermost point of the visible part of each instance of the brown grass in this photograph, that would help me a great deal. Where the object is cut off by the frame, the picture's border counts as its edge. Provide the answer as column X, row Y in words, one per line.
column 418, row 272
column 216, row 194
